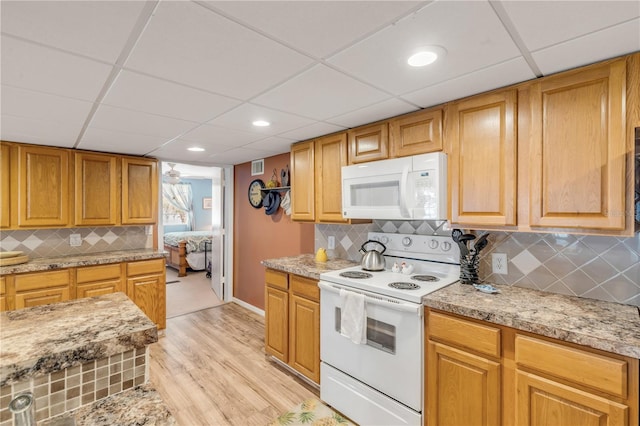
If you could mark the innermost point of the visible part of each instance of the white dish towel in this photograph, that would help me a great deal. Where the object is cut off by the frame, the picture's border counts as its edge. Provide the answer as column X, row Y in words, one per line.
column 353, row 317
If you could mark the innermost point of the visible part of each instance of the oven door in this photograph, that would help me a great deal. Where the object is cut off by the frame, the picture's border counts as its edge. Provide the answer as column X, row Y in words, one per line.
column 391, row 361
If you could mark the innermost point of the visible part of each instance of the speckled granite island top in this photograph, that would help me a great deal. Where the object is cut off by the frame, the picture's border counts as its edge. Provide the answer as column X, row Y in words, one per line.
column 49, row 338
column 306, row 265
column 103, row 258
column 141, row 405
column 608, row 326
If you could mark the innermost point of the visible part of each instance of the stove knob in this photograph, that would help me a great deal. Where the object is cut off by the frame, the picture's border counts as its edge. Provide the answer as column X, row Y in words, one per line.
column 384, row 239
column 433, row 244
column 406, row 241
column 446, row 246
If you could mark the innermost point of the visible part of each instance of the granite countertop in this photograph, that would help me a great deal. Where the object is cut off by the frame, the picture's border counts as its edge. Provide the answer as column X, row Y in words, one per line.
column 306, row 265
column 102, row 258
column 49, row 338
column 141, row 405
column 608, row 326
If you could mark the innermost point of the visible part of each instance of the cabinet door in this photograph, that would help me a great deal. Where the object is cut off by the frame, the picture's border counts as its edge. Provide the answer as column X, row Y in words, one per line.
column 43, row 187
column 541, row 401
column 369, row 143
column 462, row 388
column 96, row 188
column 3, row 294
column 331, row 155
column 578, row 149
column 145, row 292
column 277, row 323
column 483, row 159
column 304, row 331
column 139, row 191
column 41, row 288
column 302, row 182
column 416, row 133
column 5, row 185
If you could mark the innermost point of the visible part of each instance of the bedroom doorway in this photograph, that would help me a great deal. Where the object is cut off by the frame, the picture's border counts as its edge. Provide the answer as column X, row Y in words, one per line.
column 193, row 210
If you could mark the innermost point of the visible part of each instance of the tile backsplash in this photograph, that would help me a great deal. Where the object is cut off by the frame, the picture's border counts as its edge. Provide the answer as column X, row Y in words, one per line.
column 604, row 268
column 55, row 242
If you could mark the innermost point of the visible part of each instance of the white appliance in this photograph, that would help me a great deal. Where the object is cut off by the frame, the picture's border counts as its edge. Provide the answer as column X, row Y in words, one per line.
column 380, row 382
column 401, row 188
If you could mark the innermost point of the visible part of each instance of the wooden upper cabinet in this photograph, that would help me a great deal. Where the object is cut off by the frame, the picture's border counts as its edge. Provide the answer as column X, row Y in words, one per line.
column 302, row 182
column 96, row 189
column 5, row 185
column 139, row 191
column 416, row 133
column 483, row 159
column 43, row 187
column 578, row 148
column 369, row 143
column 331, row 155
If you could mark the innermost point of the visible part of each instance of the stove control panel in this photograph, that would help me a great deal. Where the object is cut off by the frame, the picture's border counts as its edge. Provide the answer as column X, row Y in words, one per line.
column 424, row 247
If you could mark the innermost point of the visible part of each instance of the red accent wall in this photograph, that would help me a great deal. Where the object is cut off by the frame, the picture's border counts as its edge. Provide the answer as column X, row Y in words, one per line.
column 258, row 236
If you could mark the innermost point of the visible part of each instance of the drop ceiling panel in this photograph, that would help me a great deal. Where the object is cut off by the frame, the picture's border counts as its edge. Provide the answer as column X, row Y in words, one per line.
column 176, row 150
column 469, row 30
column 274, row 144
column 148, row 94
column 96, row 139
column 242, row 117
column 614, row 41
column 119, row 119
column 319, row 28
column 312, row 131
column 39, row 132
column 97, row 29
column 510, row 72
column 321, row 92
column 382, row 110
column 238, row 156
column 220, row 135
column 546, row 23
column 48, row 70
column 190, row 44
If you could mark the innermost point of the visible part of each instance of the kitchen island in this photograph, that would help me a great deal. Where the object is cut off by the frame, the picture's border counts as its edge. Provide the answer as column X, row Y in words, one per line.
column 80, row 353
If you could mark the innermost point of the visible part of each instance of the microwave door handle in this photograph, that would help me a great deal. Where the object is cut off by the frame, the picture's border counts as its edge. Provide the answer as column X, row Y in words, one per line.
column 404, row 184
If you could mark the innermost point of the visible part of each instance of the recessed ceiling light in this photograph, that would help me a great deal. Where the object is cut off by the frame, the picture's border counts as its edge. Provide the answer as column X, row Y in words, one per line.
column 426, row 55
column 195, row 149
column 261, row 123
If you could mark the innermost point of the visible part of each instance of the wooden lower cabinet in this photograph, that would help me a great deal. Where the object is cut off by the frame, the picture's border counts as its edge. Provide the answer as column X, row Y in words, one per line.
column 3, row 294
column 478, row 373
column 147, row 288
column 42, row 288
column 292, row 321
column 98, row 280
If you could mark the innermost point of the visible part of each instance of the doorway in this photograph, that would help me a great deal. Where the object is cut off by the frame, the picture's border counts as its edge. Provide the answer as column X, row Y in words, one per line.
column 195, row 208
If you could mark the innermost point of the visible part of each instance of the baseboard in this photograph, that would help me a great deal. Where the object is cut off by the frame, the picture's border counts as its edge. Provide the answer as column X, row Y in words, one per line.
column 248, row 306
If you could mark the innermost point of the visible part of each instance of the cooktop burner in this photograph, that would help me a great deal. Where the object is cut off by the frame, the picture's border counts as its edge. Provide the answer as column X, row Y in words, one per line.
column 404, row 286
column 426, row 278
column 355, row 274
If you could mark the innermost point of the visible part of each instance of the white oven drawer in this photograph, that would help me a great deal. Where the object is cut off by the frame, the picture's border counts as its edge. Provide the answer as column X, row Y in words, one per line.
column 361, row 403
column 392, row 359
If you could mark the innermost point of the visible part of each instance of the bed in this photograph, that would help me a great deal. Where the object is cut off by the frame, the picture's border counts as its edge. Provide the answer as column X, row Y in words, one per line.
column 188, row 249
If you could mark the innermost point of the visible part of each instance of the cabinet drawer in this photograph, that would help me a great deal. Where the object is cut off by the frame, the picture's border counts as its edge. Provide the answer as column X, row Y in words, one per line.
column 480, row 338
column 305, row 287
column 585, row 368
column 42, row 280
column 143, row 267
column 277, row 279
column 98, row 273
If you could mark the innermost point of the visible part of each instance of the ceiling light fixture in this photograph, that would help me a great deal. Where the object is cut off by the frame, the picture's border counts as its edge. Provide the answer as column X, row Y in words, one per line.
column 261, row 123
column 195, row 149
column 426, row 55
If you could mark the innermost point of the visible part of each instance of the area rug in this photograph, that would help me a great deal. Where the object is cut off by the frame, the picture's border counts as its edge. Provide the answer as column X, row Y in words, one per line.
column 311, row 413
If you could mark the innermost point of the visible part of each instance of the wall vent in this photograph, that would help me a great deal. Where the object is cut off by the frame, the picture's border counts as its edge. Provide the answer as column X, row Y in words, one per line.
column 257, row 167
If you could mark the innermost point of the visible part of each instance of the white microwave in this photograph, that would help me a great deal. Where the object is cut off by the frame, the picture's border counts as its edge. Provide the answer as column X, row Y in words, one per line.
column 407, row 188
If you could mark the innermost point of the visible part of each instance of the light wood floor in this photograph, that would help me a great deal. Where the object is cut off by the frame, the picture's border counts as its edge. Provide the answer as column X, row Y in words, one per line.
column 210, row 369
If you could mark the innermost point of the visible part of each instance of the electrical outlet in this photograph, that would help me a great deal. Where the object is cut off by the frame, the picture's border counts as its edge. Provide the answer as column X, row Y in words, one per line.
column 499, row 263
column 75, row 240
column 331, row 242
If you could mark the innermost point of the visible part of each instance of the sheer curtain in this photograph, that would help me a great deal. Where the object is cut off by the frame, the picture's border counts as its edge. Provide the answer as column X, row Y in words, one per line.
column 180, row 196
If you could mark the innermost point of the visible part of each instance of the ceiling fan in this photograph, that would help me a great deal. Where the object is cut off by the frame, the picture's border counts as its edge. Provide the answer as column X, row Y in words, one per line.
column 172, row 176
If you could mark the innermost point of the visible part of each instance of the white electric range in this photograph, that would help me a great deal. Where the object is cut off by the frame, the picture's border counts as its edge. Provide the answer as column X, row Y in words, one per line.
column 380, row 382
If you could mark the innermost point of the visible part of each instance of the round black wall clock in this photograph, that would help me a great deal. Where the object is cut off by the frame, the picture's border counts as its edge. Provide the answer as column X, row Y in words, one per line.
column 255, row 193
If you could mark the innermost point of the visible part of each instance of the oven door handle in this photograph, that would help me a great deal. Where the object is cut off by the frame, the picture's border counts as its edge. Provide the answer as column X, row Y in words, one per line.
column 396, row 305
